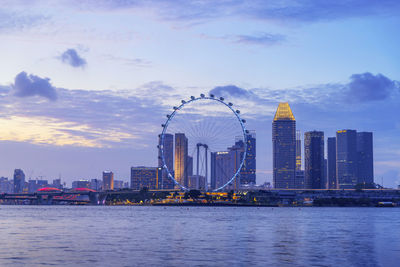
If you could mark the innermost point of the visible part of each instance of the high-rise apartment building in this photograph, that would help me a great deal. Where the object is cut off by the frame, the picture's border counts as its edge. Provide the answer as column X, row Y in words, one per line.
column 108, row 180
column 19, row 181
column 145, row 177
column 181, row 158
column 346, row 158
column 298, row 150
column 314, row 160
column 331, row 168
column 365, row 163
column 284, row 147
column 248, row 171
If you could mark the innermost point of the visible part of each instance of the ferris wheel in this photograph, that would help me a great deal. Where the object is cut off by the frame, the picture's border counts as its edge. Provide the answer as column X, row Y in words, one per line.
column 203, row 144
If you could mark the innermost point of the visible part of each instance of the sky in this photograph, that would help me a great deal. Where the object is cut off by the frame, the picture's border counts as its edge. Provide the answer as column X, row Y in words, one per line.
column 85, row 85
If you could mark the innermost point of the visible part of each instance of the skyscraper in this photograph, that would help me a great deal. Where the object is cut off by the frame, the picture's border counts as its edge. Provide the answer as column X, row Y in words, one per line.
column 314, row 160
column 224, row 165
column 325, row 179
column 365, row 166
column 236, row 153
column 332, row 179
column 220, row 166
column 189, row 166
column 248, row 171
column 108, row 180
column 284, row 147
column 181, row 157
column 298, row 150
column 166, row 182
column 346, row 158
column 19, row 181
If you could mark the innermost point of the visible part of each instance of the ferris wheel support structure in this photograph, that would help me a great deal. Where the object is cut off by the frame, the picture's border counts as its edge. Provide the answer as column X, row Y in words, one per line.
column 175, row 112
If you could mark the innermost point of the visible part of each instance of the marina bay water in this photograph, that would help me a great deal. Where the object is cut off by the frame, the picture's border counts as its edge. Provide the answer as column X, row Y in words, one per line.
column 198, row 236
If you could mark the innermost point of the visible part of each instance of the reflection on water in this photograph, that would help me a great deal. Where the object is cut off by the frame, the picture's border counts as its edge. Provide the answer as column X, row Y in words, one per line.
column 170, row 236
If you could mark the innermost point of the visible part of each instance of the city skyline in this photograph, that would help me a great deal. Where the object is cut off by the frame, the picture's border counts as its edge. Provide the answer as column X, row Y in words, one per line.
column 350, row 158
column 84, row 87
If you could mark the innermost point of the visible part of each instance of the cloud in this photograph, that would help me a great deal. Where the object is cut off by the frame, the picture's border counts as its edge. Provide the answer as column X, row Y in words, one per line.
column 71, row 57
column 281, row 11
column 31, row 85
column 261, row 39
column 230, row 90
column 129, row 120
column 311, row 11
column 138, row 62
column 87, row 118
column 10, row 21
column 367, row 87
column 364, row 88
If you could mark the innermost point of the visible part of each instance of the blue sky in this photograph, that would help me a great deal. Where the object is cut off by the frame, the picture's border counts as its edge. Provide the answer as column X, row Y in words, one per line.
column 84, row 85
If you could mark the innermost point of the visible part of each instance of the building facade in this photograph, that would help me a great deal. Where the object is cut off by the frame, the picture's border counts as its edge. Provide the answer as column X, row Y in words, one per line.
column 181, row 159
column 365, row 162
column 220, row 166
column 146, row 177
column 248, row 171
column 108, row 180
column 331, row 161
column 19, row 181
column 6, row 186
column 298, row 150
column 96, row 184
column 346, row 158
column 118, row 184
column 81, row 184
column 299, row 180
column 168, row 148
column 197, row 182
column 284, row 147
column 314, row 163
column 236, row 153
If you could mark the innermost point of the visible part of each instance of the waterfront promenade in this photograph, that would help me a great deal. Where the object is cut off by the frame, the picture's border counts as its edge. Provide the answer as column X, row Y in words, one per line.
column 271, row 197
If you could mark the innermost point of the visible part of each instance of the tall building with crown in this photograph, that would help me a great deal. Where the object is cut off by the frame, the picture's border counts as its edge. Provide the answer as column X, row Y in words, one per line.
column 284, row 147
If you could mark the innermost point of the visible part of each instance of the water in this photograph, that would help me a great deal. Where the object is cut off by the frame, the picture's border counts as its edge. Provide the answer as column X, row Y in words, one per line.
column 198, row 236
